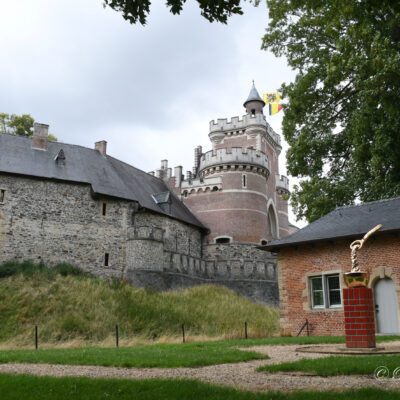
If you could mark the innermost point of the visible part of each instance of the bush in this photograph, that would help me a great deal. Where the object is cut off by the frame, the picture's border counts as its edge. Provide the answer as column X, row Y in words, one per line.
column 65, row 269
column 28, row 268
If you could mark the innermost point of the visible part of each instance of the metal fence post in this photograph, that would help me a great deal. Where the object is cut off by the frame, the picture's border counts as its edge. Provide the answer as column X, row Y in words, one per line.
column 36, row 337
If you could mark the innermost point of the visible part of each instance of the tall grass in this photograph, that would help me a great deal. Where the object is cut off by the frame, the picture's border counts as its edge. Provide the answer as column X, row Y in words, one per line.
column 68, row 305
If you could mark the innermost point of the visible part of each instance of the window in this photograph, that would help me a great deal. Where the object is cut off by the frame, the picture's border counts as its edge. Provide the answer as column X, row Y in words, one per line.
column 104, row 209
column 106, row 259
column 325, row 291
column 2, row 195
column 253, row 112
column 264, row 242
column 244, row 181
column 222, row 240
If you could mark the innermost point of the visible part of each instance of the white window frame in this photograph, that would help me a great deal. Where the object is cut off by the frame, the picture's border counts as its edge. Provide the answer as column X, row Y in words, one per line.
column 325, row 291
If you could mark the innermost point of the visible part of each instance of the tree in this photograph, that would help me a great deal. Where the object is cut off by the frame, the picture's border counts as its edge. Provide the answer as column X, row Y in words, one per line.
column 138, row 10
column 19, row 125
column 342, row 115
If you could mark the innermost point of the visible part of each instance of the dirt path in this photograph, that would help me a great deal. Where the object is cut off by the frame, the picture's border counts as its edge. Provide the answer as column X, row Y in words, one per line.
column 240, row 375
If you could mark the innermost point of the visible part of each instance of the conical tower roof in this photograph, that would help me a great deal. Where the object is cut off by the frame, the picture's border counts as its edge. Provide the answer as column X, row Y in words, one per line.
column 253, row 96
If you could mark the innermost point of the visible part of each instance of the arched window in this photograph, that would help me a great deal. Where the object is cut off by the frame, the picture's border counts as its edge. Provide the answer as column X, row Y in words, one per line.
column 272, row 225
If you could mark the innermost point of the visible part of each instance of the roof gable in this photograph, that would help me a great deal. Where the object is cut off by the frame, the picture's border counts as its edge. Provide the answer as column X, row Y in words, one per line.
column 348, row 221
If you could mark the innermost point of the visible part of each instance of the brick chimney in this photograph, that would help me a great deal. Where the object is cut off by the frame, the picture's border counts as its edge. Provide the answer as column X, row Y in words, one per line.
column 39, row 138
column 101, row 147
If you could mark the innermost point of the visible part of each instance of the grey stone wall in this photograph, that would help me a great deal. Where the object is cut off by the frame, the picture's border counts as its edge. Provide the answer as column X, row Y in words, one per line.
column 155, row 242
column 57, row 222
column 61, row 222
column 240, row 267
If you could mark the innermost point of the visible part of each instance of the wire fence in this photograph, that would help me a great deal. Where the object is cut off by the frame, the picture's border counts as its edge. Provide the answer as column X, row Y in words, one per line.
column 240, row 330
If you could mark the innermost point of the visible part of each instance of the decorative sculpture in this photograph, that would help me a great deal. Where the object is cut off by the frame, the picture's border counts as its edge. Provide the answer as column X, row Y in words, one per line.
column 356, row 277
column 357, row 244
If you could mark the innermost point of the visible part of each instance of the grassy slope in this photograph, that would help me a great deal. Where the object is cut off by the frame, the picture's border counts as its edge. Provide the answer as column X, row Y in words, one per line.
column 80, row 307
column 45, row 388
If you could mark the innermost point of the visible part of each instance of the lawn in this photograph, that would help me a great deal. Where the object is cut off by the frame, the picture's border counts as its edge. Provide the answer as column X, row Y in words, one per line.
column 338, row 365
column 162, row 355
column 45, row 388
column 158, row 355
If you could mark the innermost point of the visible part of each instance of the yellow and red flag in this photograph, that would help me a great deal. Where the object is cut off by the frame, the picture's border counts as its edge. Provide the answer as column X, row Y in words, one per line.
column 272, row 97
column 274, row 108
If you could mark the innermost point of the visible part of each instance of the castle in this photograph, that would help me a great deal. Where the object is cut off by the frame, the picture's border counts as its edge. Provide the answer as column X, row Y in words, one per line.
column 66, row 203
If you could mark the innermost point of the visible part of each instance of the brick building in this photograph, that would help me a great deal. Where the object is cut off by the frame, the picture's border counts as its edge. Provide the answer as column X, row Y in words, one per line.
column 312, row 262
column 66, row 203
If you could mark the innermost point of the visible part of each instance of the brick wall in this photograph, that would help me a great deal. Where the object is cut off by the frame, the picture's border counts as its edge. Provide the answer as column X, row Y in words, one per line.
column 359, row 317
column 380, row 256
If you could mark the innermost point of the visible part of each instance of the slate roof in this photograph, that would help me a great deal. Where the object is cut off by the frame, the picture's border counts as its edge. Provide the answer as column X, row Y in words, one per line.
column 345, row 222
column 106, row 175
column 253, row 96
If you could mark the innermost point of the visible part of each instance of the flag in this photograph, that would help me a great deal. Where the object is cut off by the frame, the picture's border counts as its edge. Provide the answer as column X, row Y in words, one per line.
column 272, row 97
column 274, row 108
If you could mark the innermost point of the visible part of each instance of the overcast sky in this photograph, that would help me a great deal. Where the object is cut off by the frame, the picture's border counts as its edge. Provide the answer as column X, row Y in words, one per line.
column 149, row 91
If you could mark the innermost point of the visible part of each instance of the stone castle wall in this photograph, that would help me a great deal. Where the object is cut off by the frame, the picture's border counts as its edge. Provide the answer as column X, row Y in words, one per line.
column 55, row 222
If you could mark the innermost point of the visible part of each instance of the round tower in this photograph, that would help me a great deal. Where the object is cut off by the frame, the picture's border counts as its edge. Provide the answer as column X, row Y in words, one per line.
column 234, row 192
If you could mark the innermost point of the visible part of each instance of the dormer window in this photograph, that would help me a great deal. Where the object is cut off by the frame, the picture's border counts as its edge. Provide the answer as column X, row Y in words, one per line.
column 60, row 158
column 163, row 200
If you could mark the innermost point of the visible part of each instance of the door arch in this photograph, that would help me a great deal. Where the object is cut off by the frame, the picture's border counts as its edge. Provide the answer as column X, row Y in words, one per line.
column 386, row 306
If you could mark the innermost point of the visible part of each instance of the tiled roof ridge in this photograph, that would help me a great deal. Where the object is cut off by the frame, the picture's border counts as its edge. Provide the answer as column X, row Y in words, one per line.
column 366, row 203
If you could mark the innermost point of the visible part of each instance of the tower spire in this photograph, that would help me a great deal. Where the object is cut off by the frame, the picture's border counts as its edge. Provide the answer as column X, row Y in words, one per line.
column 254, row 103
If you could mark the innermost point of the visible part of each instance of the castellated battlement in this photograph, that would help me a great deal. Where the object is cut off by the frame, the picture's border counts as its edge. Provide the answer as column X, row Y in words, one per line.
column 211, row 184
column 282, row 184
column 236, row 156
column 236, row 126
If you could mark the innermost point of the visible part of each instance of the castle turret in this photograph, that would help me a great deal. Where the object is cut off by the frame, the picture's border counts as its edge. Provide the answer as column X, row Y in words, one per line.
column 254, row 103
column 235, row 189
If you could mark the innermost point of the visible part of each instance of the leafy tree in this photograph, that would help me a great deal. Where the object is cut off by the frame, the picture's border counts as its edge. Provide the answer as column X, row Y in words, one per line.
column 342, row 117
column 138, row 10
column 19, row 125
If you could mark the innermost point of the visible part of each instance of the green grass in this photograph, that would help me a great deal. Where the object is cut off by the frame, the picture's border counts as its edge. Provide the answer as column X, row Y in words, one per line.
column 45, row 388
column 337, row 365
column 68, row 305
column 158, row 355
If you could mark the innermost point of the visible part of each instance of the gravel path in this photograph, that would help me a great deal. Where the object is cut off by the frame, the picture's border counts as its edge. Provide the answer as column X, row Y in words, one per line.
column 239, row 375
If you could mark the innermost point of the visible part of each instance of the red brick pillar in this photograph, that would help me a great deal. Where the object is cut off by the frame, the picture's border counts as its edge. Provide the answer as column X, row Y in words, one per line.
column 359, row 317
